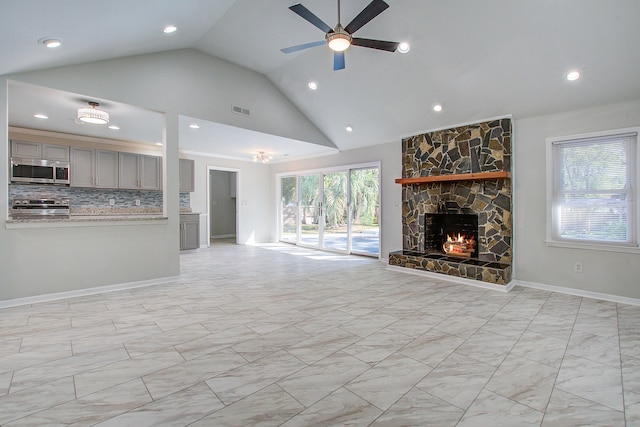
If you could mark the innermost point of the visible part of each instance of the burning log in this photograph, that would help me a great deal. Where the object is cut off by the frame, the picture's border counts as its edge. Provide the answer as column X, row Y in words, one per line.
column 460, row 245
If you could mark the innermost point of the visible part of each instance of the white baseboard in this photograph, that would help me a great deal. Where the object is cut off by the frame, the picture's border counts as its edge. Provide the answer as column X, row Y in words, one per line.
column 454, row 279
column 578, row 292
column 84, row 292
column 223, row 236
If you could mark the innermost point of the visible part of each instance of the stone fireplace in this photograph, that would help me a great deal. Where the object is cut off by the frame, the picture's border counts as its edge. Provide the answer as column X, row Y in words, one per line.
column 457, row 202
column 451, row 234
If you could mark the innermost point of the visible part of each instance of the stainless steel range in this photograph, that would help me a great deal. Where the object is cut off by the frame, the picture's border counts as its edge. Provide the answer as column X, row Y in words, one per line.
column 40, row 208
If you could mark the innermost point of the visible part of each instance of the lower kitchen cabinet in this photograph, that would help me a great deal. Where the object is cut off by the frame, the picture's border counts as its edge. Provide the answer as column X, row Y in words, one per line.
column 189, row 231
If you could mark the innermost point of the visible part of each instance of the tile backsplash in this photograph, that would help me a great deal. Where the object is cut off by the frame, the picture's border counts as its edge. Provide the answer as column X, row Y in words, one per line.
column 94, row 197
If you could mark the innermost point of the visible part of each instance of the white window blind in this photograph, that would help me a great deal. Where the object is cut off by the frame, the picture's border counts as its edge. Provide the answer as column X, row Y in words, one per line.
column 594, row 190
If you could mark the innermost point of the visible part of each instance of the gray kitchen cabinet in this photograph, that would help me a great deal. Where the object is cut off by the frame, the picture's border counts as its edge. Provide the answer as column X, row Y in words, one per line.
column 37, row 150
column 94, row 168
column 106, row 169
column 150, row 172
column 26, row 150
column 82, row 167
column 187, row 176
column 189, row 231
column 139, row 171
column 55, row 152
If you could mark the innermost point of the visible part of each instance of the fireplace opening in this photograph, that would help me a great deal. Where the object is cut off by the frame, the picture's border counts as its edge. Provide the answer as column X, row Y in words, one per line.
column 451, row 234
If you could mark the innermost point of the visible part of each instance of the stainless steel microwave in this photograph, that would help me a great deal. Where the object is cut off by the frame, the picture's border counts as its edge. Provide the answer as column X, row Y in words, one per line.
column 39, row 171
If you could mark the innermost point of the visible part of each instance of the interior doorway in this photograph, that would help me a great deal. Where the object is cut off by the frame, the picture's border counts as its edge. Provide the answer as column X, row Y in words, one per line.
column 222, row 204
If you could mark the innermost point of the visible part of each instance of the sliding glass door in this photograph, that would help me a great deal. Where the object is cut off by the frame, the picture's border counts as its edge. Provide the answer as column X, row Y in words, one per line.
column 337, row 210
column 289, row 209
column 310, row 210
column 365, row 211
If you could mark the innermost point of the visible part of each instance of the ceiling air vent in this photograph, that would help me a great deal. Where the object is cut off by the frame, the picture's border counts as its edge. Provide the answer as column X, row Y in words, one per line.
column 240, row 110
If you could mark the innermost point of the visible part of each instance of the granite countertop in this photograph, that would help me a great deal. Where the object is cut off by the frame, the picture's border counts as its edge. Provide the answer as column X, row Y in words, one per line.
column 102, row 214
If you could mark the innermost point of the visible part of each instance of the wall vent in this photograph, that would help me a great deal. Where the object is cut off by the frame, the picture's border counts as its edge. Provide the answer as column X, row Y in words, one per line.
column 240, row 110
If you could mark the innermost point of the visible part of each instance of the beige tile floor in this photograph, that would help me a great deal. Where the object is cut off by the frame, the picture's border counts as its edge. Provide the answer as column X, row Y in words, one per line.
column 280, row 335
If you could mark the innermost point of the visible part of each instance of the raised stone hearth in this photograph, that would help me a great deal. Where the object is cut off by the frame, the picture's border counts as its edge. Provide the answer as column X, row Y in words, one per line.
column 480, row 150
column 490, row 272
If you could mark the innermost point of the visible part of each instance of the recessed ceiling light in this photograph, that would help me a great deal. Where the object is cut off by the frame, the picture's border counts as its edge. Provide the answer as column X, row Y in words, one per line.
column 404, row 47
column 437, row 107
column 40, row 116
column 159, row 143
column 573, row 75
column 194, row 126
column 50, row 42
column 349, row 128
column 170, row 29
column 313, row 85
column 114, row 127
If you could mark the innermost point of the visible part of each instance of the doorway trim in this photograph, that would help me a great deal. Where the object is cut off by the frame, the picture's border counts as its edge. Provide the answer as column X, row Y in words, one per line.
column 238, row 177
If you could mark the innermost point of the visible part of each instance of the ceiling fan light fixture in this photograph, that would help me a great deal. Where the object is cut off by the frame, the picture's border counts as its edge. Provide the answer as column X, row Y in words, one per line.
column 339, row 40
column 93, row 115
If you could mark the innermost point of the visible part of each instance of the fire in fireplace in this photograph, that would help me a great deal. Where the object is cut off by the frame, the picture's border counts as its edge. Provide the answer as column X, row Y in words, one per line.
column 460, row 245
column 451, row 234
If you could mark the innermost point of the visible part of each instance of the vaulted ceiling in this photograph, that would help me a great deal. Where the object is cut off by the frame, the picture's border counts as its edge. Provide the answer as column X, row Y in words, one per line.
column 479, row 59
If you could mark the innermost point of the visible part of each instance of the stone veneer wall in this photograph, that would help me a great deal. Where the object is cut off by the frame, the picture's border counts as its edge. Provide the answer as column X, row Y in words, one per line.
column 481, row 147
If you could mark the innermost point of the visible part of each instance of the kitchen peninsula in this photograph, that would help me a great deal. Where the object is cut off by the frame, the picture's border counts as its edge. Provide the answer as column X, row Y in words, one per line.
column 106, row 180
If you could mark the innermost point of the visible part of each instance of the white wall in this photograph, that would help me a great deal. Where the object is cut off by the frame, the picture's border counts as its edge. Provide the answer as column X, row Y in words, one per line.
column 604, row 272
column 184, row 82
column 390, row 157
column 254, row 197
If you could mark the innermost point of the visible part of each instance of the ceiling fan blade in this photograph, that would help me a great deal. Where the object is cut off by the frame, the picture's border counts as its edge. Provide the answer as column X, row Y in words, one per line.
column 375, row 44
column 310, row 17
column 375, row 8
column 302, row 46
column 338, row 61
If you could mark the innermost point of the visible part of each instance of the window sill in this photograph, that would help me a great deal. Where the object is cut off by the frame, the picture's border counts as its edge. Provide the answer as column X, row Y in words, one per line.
column 593, row 247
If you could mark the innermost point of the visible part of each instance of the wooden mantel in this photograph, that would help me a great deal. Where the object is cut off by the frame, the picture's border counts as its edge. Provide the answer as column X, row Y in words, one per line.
column 480, row 176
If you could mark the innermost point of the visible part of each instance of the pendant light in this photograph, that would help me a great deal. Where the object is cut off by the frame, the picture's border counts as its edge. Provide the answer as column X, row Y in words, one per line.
column 93, row 115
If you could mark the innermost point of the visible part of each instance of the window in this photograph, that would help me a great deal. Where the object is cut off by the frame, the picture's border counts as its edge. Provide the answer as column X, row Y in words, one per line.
column 594, row 189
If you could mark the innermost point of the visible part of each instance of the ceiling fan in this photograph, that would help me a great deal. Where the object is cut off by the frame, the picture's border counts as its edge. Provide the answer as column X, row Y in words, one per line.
column 340, row 38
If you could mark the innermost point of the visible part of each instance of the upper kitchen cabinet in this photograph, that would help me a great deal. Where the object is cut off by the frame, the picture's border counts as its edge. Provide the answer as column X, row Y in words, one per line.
column 187, row 176
column 106, row 169
column 94, row 168
column 37, row 150
column 82, row 167
column 140, row 172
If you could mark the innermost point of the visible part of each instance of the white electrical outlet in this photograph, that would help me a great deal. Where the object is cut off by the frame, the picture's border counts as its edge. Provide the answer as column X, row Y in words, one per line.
column 137, row 202
column 577, row 267
column 112, row 202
